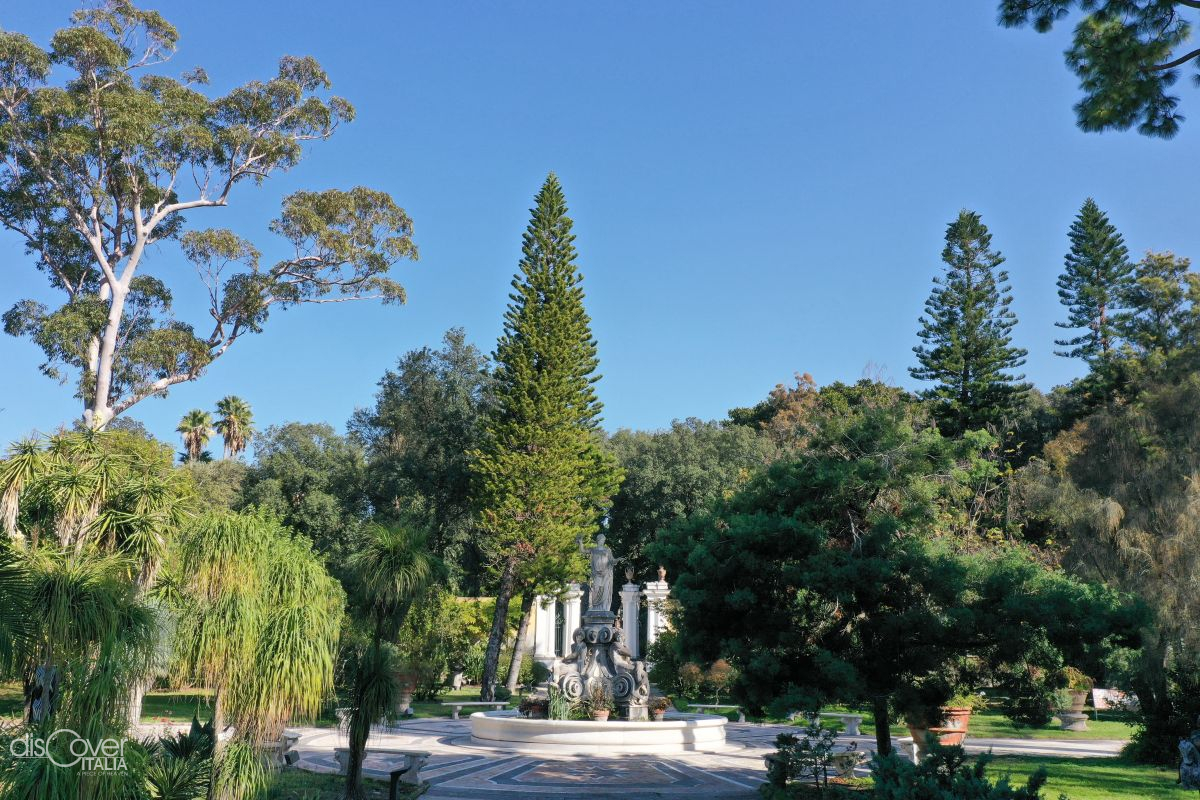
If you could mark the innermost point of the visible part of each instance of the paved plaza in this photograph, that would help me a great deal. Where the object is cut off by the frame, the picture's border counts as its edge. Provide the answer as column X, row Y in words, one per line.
column 461, row 769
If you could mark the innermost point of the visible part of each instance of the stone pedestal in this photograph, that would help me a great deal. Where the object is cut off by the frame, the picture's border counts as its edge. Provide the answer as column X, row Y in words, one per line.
column 629, row 617
column 543, row 629
column 656, row 594
column 1072, row 721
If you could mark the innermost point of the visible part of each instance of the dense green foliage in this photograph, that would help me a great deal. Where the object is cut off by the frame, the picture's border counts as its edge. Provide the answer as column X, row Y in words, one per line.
column 1125, row 54
column 966, row 333
column 542, row 477
column 673, row 473
column 857, row 594
column 427, row 417
column 946, row 774
column 312, row 478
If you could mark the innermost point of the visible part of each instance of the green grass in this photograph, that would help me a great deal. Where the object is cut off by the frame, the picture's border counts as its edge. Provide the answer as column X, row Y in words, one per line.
column 994, row 725
column 1092, row 778
column 180, row 706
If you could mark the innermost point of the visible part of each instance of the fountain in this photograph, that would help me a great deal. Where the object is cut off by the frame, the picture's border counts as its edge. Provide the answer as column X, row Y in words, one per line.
column 600, row 657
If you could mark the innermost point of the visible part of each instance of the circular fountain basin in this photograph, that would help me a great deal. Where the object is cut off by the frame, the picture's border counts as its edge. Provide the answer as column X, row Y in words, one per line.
column 678, row 733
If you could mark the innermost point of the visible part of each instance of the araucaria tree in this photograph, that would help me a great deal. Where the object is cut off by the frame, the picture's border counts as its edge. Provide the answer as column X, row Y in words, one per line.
column 101, row 165
column 1096, row 275
column 966, row 333
column 543, row 478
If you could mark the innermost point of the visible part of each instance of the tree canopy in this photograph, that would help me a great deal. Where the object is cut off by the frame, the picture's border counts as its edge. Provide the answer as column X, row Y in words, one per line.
column 110, row 159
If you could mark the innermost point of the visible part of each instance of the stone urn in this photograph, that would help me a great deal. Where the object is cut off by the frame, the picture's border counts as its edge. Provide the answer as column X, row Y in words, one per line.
column 1072, row 720
column 1078, row 700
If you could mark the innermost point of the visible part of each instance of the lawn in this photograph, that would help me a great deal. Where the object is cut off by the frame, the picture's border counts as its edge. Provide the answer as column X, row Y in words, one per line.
column 1093, row 778
column 180, row 706
column 994, row 725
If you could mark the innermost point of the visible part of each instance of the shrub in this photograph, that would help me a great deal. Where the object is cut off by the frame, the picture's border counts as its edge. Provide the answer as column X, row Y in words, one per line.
column 802, row 758
column 540, row 673
column 1076, row 680
column 944, row 774
column 1030, row 695
column 663, row 657
column 503, row 694
column 690, row 679
column 720, row 677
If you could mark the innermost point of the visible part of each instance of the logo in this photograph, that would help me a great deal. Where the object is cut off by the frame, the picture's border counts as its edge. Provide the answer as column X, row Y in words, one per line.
column 65, row 748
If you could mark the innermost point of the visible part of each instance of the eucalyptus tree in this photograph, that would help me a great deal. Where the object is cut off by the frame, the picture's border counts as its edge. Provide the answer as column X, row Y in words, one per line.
column 196, row 428
column 258, row 623
column 235, row 423
column 391, row 568
column 110, row 156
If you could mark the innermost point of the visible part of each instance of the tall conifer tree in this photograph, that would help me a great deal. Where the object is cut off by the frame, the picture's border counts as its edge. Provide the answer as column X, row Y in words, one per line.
column 966, row 333
column 542, row 477
column 1096, row 274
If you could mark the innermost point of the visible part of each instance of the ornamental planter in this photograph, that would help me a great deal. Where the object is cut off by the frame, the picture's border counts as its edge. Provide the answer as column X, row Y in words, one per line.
column 953, row 730
column 600, row 715
column 659, row 716
column 1078, row 700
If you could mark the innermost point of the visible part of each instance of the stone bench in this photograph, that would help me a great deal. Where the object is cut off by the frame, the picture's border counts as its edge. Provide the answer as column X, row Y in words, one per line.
column 409, row 773
column 850, row 722
column 738, row 709
column 497, row 704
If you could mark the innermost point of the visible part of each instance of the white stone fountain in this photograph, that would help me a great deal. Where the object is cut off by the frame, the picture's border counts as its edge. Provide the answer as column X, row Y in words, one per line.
column 600, row 657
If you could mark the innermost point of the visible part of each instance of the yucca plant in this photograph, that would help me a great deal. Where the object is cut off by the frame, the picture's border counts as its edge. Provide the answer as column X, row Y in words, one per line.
column 392, row 566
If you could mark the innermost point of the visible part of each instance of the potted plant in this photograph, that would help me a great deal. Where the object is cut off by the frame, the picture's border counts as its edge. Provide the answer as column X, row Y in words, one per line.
column 1078, row 686
column 947, row 723
column 534, row 707
column 658, row 707
column 599, row 702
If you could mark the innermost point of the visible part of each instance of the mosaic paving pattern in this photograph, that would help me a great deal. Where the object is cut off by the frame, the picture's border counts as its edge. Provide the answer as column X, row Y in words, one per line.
column 461, row 770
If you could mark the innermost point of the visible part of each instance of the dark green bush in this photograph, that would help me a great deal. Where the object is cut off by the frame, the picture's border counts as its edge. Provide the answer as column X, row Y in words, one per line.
column 945, row 774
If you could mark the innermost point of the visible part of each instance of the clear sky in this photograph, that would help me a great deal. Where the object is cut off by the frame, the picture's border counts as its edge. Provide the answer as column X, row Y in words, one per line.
column 758, row 188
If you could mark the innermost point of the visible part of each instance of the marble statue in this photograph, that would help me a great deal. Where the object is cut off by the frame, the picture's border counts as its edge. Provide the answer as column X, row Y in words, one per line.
column 601, row 583
column 599, row 654
column 1189, row 765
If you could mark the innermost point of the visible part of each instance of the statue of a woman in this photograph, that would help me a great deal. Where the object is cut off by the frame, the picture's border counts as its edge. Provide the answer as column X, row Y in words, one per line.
column 602, row 574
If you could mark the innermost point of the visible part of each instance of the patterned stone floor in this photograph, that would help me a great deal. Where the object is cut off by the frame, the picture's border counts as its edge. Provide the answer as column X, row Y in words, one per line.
column 459, row 770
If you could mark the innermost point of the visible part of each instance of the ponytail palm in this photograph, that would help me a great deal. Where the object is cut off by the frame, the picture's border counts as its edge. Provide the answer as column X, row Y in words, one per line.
column 391, row 568
column 258, row 623
column 235, row 424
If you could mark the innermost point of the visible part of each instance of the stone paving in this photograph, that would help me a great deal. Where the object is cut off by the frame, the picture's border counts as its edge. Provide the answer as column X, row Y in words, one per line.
column 460, row 769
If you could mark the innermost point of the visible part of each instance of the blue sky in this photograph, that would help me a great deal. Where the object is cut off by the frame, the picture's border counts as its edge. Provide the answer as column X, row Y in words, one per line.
column 758, row 188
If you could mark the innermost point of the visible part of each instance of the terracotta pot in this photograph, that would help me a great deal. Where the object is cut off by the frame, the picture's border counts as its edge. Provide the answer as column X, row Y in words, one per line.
column 953, row 729
column 600, row 715
column 658, row 715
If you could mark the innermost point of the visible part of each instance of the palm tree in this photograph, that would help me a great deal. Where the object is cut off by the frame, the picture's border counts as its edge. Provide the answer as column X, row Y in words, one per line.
column 196, row 428
column 393, row 566
column 235, row 424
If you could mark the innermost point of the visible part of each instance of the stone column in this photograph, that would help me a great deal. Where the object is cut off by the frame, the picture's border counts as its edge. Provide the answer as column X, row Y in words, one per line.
column 571, row 613
column 543, row 629
column 629, row 613
column 656, row 593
